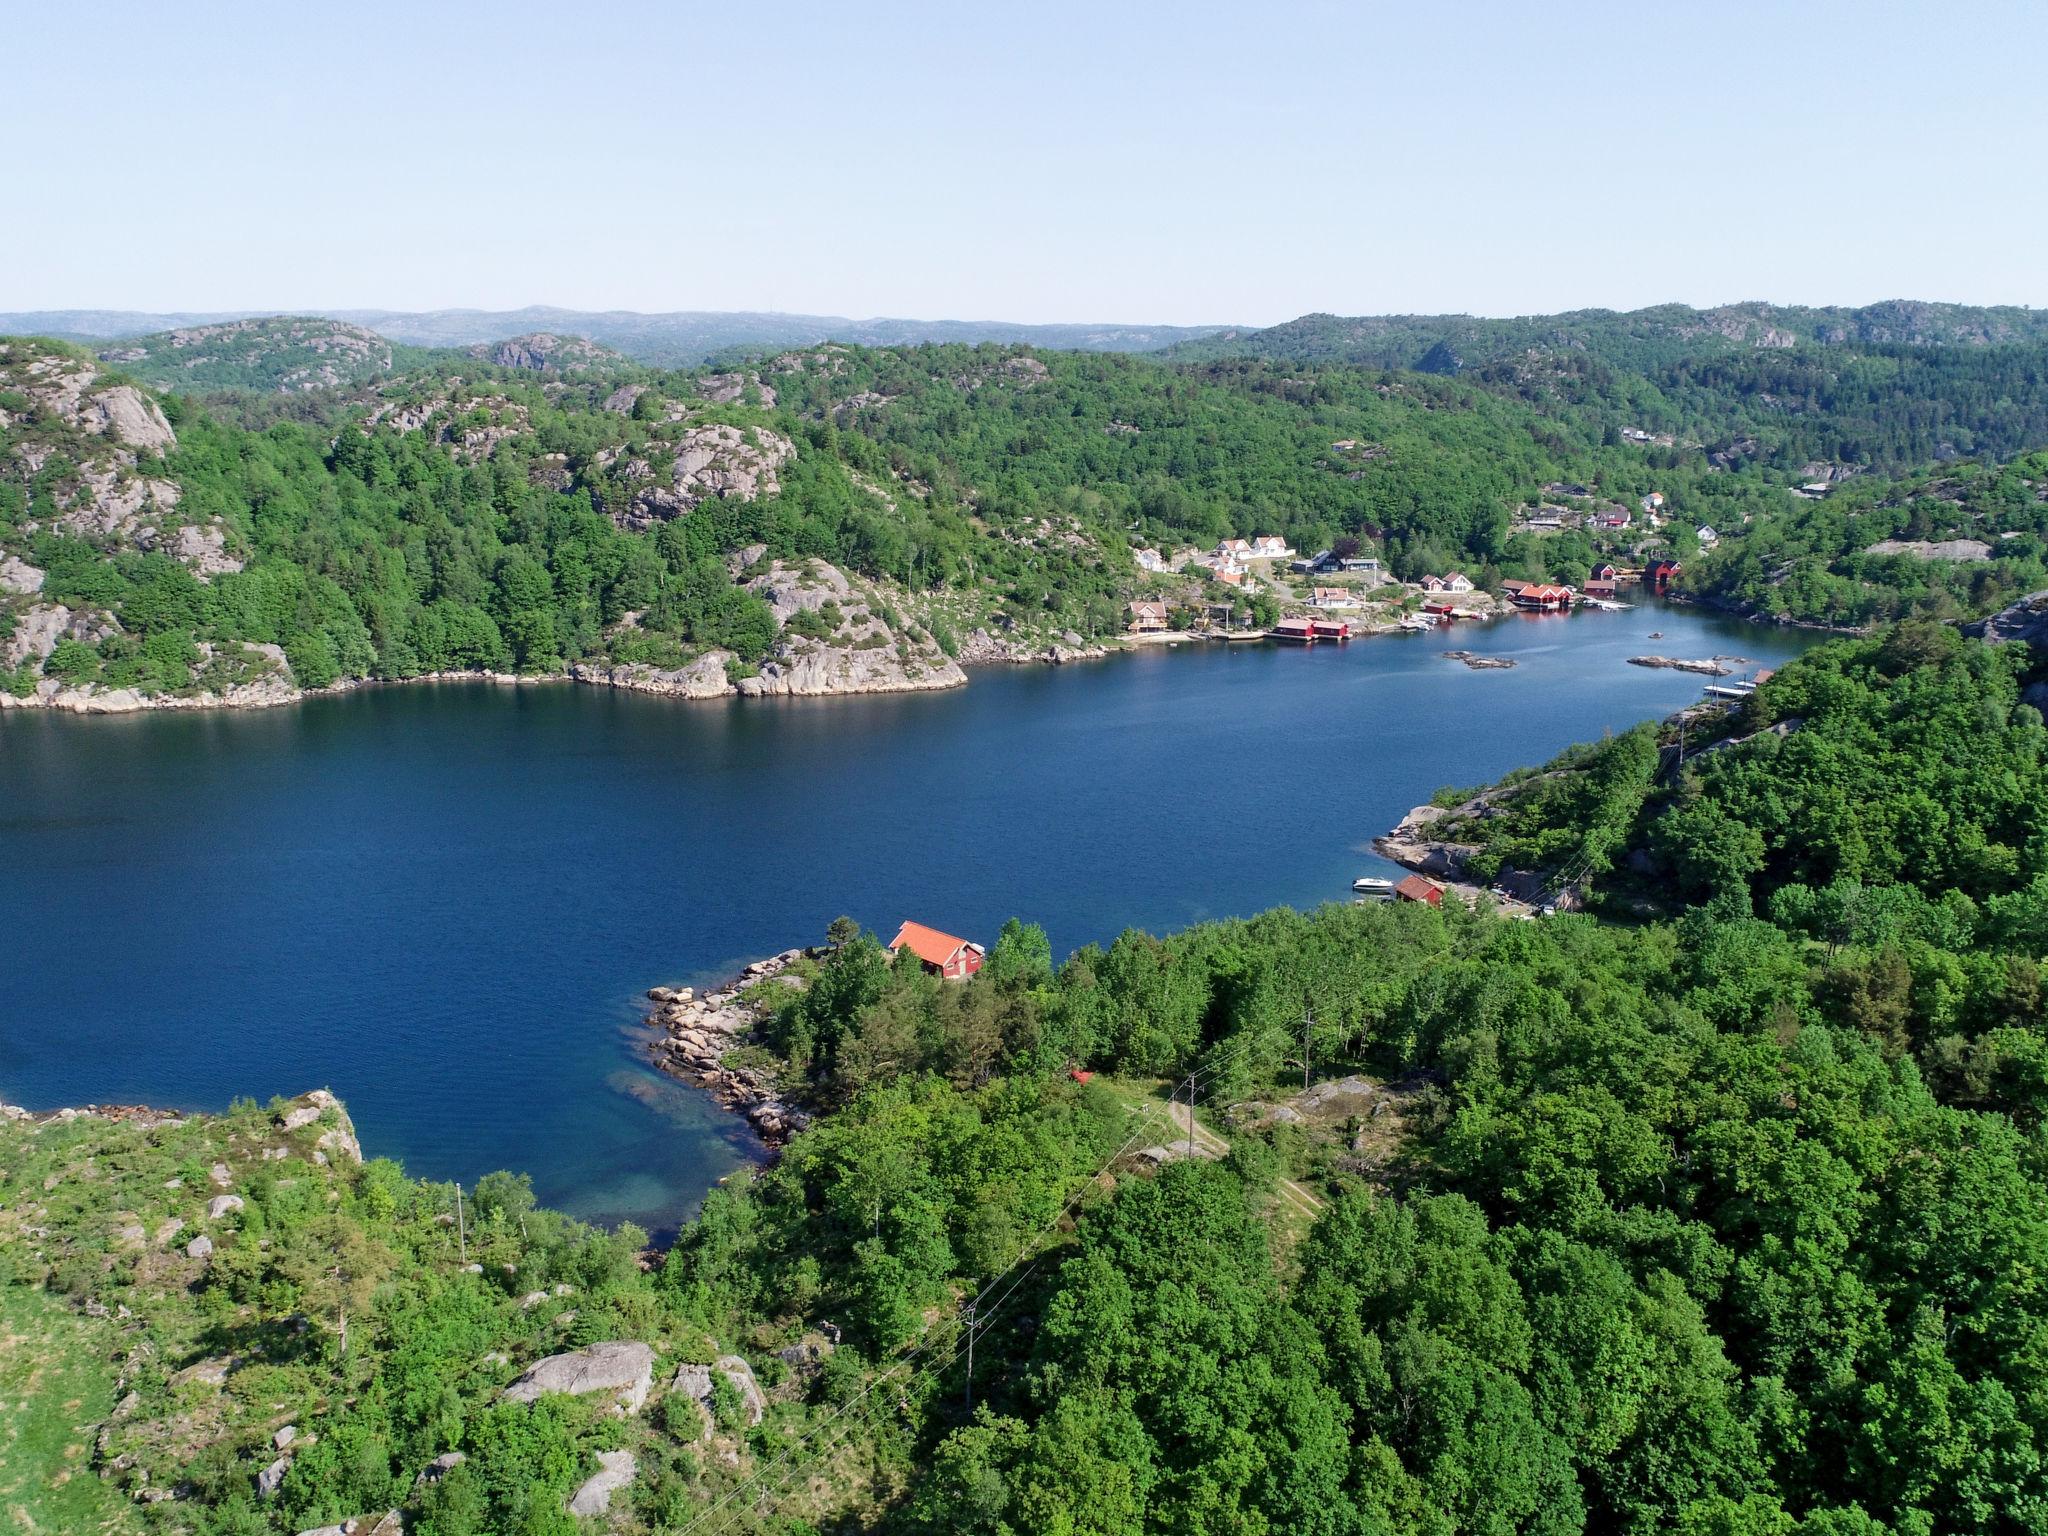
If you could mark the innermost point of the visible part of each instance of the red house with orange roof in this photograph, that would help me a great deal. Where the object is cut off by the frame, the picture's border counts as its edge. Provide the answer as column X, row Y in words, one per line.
column 939, row 953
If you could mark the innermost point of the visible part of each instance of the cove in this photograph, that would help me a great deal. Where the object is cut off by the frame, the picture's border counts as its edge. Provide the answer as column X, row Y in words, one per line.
column 444, row 901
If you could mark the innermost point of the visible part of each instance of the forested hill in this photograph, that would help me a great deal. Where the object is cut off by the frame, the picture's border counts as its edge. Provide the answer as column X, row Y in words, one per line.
column 1636, row 339
column 674, row 339
column 299, row 503
column 288, row 353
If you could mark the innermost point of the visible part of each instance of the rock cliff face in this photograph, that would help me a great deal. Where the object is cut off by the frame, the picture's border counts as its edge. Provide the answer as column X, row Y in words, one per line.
column 85, row 450
column 703, row 462
column 844, row 643
column 2025, row 621
column 472, row 424
column 544, row 351
column 726, row 388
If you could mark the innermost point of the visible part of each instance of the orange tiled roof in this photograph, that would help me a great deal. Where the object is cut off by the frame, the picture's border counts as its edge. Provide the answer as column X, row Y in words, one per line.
column 928, row 944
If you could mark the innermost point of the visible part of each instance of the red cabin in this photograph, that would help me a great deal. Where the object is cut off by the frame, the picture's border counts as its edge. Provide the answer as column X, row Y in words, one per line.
column 1415, row 888
column 939, row 953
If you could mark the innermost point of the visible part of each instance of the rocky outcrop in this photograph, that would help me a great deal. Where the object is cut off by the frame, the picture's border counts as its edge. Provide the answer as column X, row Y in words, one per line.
column 106, row 436
column 621, row 1367
column 306, row 1109
column 2025, row 620
column 982, row 648
column 694, row 1382
column 709, row 461
column 803, row 670
column 545, row 352
column 390, row 1523
column 741, row 1375
column 728, row 388
column 1961, row 551
column 19, row 578
column 699, row 1029
column 704, row 678
column 615, row 1469
column 472, row 426
column 260, row 674
column 1409, row 844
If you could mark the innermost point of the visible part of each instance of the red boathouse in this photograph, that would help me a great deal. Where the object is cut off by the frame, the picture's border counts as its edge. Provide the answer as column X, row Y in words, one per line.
column 939, row 953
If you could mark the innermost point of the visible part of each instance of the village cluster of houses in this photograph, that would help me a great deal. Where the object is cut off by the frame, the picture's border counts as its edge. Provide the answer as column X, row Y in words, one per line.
column 1230, row 563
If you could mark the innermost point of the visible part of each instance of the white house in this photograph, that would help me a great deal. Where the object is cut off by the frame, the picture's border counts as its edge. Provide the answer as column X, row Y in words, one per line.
column 1234, row 549
column 1269, row 546
column 1150, row 560
column 1708, row 538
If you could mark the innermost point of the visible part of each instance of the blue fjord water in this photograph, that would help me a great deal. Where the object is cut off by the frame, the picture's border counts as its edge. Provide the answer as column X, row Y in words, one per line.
column 445, row 901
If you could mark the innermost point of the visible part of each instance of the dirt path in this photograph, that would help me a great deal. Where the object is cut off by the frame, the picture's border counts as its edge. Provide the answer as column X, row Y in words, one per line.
column 1207, row 1141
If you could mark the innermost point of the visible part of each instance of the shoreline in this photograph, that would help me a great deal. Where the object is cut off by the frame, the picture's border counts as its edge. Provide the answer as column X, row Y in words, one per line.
column 698, row 1029
column 696, row 682
column 681, row 684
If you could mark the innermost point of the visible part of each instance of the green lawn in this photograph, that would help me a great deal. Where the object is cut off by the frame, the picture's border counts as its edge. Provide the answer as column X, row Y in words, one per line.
column 55, row 1390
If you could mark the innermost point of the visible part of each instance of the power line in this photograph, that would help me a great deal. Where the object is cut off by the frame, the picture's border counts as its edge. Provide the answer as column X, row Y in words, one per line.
column 981, row 1313
column 865, row 1392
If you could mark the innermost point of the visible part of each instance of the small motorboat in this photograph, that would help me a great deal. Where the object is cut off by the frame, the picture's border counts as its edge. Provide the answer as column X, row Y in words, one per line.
column 1367, row 888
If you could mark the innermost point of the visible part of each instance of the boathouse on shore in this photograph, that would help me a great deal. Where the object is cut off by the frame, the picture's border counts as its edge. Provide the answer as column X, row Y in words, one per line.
column 939, row 953
column 1415, row 888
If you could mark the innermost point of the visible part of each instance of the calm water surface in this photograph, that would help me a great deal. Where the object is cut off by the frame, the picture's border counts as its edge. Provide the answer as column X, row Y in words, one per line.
column 444, row 901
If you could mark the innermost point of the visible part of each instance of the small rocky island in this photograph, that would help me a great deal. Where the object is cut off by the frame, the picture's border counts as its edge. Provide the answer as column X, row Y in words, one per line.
column 1480, row 663
column 1706, row 667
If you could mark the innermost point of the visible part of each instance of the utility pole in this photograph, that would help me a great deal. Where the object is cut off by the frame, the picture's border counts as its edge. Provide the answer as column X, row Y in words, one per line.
column 1191, row 1117
column 1308, row 1020
column 461, row 1227
column 968, row 1399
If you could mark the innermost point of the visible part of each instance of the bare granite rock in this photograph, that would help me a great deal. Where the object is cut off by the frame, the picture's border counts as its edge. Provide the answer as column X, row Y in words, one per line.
column 615, row 1470
column 2025, row 620
column 390, row 1523
column 623, row 1367
column 307, row 1108
column 741, row 1375
column 1958, row 550
column 19, row 578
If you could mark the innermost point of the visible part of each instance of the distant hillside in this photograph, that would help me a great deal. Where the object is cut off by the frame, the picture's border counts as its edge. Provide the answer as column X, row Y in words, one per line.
column 546, row 352
column 682, row 338
column 286, row 353
column 1643, row 338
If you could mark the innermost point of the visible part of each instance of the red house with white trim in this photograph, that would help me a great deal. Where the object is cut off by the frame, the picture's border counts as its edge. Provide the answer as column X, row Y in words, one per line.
column 939, row 953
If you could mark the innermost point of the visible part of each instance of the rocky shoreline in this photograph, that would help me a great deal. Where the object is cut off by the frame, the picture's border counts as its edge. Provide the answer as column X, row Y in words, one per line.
column 699, row 1029
column 704, row 678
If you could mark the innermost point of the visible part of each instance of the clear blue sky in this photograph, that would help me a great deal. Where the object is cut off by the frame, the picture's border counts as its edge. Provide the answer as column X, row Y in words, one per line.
column 1179, row 162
